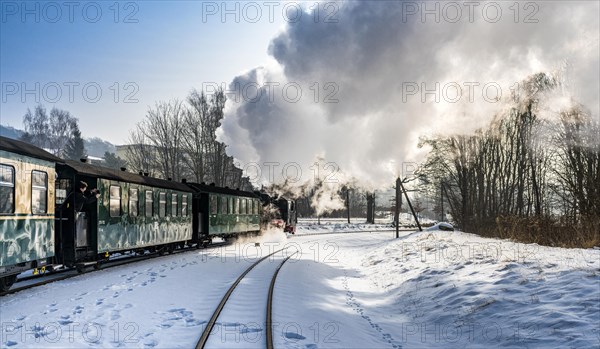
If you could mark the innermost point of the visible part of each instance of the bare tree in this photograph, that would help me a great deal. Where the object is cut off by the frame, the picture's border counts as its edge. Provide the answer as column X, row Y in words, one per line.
column 55, row 132
column 196, row 136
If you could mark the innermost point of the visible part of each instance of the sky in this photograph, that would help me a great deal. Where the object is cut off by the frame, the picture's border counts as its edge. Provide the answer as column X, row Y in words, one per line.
column 136, row 53
column 338, row 91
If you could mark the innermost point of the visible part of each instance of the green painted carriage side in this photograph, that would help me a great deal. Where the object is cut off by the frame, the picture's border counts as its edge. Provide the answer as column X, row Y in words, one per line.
column 231, row 222
column 127, row 232
column 26, row 237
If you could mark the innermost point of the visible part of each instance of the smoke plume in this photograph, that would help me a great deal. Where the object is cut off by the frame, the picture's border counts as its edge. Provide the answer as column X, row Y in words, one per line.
column 387, row 72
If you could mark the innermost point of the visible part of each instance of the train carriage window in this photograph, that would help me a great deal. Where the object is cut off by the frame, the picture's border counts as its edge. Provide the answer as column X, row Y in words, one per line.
column 39, row 192
column 149, row 204
column 243, row 206
column 230, row 205
column 184, row 205
column 213, row 204
column 162, row 204
column 115, row 201
column 7, row 189
column 222, row 205
column 63, row 187
column 133, row 202
column 174, row 205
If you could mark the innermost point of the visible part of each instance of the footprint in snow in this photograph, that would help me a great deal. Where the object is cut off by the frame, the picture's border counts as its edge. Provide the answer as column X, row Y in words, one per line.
column 150, row 343
column 115, row 315
column 65, row 320
column 99, row 301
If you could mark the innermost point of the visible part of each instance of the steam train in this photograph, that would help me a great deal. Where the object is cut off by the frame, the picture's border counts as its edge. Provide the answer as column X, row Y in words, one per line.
column 41, row 227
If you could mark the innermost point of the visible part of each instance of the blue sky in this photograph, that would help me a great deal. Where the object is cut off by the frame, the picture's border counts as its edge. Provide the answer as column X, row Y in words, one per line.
column 145, row 52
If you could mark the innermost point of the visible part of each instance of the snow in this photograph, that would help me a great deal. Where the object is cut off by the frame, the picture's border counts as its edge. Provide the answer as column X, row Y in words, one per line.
column 431, row 289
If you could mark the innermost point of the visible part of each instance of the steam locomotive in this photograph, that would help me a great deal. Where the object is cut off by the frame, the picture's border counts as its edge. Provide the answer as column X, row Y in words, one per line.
column 41, row 227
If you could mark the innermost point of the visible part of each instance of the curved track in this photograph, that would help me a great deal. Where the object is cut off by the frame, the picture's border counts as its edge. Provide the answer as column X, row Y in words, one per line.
column 269, row 309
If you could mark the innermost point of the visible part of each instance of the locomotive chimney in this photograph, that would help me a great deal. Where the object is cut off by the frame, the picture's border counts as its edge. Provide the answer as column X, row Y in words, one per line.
column 183, row 180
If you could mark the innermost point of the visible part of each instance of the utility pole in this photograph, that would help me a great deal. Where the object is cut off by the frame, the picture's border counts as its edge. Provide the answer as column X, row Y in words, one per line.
column 409, row 205
column 397, row 213
column 442, row 201
column 348, row 203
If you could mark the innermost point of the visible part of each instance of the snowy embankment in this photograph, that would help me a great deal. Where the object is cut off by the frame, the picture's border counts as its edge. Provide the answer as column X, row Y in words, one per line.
column 432, row 289
column 438, row 289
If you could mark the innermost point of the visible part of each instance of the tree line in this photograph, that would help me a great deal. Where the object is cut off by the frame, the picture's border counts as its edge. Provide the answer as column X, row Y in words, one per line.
column 58, row 132
column 527, row 177
column 177, row 139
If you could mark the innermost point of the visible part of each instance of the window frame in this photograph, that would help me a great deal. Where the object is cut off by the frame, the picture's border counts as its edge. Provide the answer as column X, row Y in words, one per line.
column 184, row 204
column 162, row 204
column 174, row 204
column 45, row 211
column 111, row 198
column 13, row 186
column 137, row 202
column 243, row 206
column 214, row 204
column 151, row 201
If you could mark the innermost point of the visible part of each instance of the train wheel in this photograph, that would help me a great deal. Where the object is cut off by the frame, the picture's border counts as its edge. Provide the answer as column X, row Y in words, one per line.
column 97, row 266
column 7, row 282
column 81, row 269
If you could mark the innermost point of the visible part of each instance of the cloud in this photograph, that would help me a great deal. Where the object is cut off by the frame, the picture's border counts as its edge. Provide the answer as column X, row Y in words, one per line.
column 366, row 81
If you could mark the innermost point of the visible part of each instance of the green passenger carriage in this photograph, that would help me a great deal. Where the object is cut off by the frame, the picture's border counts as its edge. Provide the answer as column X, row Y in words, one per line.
column 224, row 212
column 133, row 213
column 27, row 175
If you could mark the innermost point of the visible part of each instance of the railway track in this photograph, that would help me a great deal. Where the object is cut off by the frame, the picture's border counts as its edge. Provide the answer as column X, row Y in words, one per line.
column 44, row 279
column 208, row 333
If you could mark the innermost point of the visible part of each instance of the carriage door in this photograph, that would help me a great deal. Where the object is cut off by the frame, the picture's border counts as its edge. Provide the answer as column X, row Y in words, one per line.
column 64, row 220
column 81, row 230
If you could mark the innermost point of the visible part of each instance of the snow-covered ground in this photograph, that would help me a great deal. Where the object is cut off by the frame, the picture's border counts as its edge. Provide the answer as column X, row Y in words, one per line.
column 429, row 289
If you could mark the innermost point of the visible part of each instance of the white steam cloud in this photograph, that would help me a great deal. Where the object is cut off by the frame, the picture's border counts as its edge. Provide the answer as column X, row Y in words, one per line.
column 371, row 62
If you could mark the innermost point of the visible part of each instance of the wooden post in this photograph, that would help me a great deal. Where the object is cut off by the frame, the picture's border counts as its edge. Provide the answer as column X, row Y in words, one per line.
column 442, row 201
column 397, row 213
column 409, row 205
column 348, row 203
